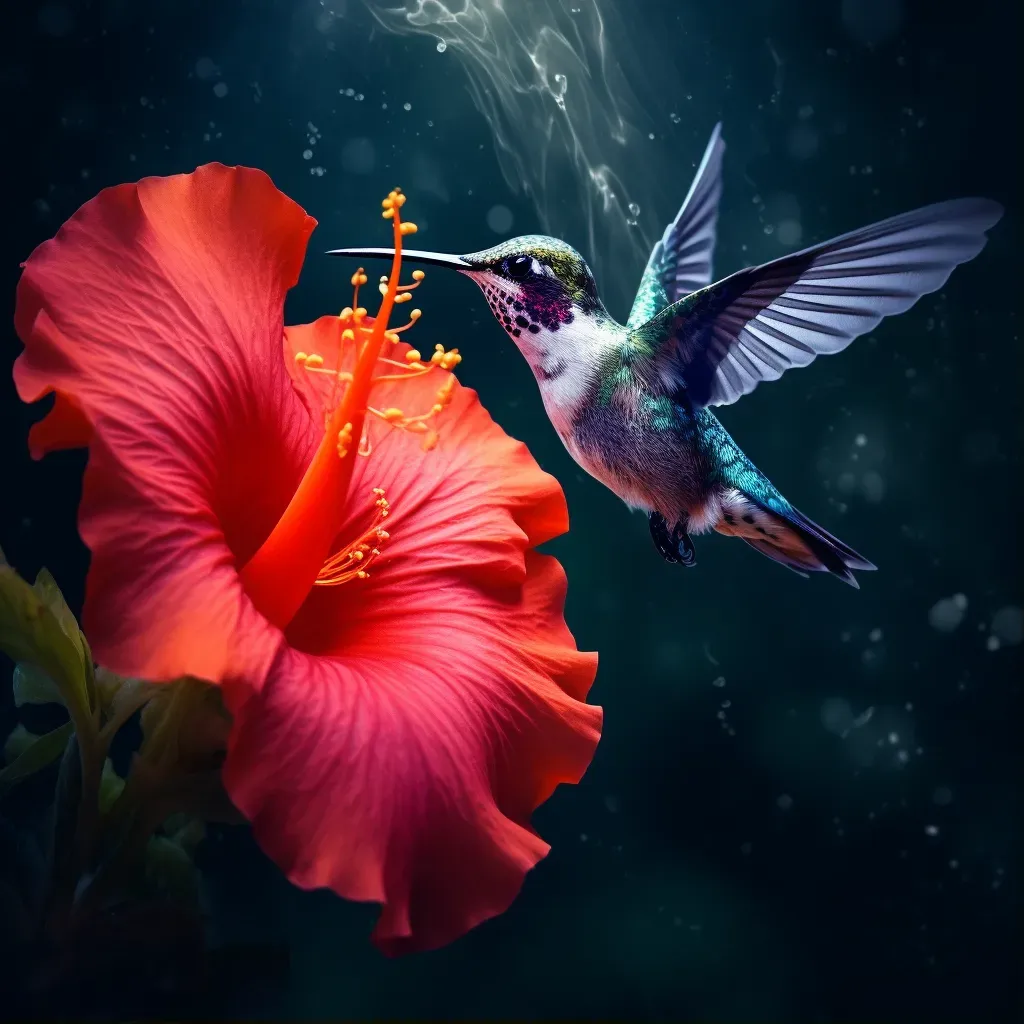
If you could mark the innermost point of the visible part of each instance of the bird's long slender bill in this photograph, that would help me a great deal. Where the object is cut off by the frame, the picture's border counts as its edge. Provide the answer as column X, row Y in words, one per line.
column 435, row 259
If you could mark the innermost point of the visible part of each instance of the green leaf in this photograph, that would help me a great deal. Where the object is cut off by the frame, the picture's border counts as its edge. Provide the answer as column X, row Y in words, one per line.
column 30, row 631
column 33, row 755
column 33, row 686
column 111, row 786
column 186, row 831
column 169, row 869
column 46, row 587
column 185, row 722
column 108, row 685
column 18, row 742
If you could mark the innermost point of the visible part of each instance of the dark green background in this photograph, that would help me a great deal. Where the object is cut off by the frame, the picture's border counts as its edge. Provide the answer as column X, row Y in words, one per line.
column 726, row 863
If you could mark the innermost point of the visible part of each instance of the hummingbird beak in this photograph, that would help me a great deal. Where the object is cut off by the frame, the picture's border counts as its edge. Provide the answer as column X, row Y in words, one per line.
column 435, row 259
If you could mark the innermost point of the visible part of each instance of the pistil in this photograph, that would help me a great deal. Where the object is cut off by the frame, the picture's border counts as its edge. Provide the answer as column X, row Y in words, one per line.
column 279, row 577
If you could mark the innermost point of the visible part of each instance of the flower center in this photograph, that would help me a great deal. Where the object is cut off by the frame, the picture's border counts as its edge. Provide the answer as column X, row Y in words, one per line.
column 297, row 554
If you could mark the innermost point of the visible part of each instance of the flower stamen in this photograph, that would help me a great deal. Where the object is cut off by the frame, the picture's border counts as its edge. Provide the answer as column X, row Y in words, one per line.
column 353, row 561
column 278, row 577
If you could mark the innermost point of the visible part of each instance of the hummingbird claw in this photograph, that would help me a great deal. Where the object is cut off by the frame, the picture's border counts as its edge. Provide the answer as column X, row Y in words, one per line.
column 675, row 547
column 684, row 545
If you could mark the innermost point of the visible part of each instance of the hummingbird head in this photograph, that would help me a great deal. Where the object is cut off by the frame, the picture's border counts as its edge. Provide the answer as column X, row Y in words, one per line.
column 535, row 285
column 543, row 294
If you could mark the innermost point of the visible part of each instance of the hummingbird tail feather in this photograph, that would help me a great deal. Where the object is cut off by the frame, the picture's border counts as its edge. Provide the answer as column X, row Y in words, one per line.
column 790, row 538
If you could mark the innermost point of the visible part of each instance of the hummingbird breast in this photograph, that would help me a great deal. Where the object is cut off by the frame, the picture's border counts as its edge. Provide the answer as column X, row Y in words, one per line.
column 648, row 450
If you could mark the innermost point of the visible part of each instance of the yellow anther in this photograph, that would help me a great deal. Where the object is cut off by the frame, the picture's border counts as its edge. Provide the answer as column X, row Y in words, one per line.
column 436, row 408
column 383, row 287
column 301, row 357
column 383, row 278
column 354, row 280
column 412, row 356
column 403, row 296
column 314, row 360
column 353, row 560
column 388, row 213
column 430, row 441
column 348, row 334
column 418, row 275
column 345, row 315
column 391, row 336
column 415, row 314
column 344, row 440
column 408, row 228
column 392, row 415
column 360, row 312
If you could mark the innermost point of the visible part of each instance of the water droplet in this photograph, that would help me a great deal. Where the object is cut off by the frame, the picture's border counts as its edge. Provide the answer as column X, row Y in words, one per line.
column 441, row 46
column 220, row 90
column 407, row 106
column 947, row 614
column 789, row 231
column 1008, row 625
column 931, row 830
column 499, row 219
column 674, row 118
column 307, row 154
column 634, row 209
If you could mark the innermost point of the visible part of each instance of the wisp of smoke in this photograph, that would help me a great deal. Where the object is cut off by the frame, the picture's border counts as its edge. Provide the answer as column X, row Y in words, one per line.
column 567, row 127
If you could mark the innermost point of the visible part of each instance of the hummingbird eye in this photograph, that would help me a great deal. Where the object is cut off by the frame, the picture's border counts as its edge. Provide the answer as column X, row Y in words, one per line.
column 517, row 267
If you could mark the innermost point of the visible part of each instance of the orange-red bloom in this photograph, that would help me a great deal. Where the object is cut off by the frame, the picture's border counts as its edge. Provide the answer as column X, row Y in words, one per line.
column 396, row 725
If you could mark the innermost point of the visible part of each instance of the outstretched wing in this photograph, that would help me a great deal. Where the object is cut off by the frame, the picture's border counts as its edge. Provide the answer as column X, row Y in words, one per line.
column 681, row 261
column 722, row 342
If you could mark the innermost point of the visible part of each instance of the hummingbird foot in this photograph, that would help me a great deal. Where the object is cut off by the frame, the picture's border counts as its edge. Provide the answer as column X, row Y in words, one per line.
column 674, row 546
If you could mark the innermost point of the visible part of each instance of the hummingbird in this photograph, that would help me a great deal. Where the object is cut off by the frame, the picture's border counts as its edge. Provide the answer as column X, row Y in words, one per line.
column 632, row 402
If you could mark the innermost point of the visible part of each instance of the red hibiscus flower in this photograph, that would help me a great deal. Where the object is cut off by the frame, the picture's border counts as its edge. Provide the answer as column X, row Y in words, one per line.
column 325, row 525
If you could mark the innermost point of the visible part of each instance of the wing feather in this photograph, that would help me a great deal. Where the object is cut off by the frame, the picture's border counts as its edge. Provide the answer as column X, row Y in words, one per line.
column 681, row 261
column 722, row 342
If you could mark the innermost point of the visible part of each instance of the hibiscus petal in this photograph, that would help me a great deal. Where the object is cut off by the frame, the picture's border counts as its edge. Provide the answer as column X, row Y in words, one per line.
column 420, row 715
column 156, row 312
column 406, row 772
column 64, row 426
column 470, row 507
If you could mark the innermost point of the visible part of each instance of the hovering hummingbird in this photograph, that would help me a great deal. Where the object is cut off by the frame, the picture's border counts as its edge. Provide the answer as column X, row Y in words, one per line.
column 632, row 402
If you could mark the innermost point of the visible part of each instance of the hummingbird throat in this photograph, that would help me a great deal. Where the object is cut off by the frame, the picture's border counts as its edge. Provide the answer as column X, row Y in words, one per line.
column 539, row 318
